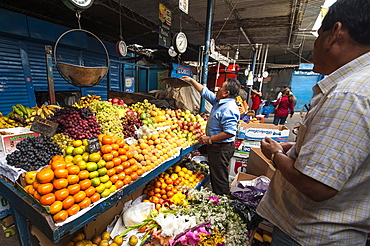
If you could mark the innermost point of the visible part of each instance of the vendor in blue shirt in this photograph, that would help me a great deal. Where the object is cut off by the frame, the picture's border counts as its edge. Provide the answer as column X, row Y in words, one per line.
column 221, row 130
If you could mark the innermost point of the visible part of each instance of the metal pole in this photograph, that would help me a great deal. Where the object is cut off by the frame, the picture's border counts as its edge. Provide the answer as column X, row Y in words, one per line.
column 253, row 66
column 49, row 71
column 206, row 51
column 264, row 63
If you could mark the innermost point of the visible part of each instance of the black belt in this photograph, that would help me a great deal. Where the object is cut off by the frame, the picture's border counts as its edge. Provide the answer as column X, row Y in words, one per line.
column 222, row 144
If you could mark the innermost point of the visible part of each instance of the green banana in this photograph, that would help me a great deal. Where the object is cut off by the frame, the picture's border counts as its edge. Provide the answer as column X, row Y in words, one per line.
column 23, row 109
column 18, row 111
column 9, row 232
column 10, row 115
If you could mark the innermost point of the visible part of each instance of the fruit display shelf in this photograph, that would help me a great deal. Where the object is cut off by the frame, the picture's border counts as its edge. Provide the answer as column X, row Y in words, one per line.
column 23, row 209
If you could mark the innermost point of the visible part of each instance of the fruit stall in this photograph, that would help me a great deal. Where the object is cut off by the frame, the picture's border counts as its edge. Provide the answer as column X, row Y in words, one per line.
column 70, row 165
column 134, row 145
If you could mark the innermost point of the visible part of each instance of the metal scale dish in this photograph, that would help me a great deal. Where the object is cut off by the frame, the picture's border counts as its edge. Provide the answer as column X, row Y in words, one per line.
column 175, row 82
column 81, row 76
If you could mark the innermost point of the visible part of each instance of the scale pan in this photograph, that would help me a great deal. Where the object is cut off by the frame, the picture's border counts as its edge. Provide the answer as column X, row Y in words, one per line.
column 175, row 82
column 82, row 76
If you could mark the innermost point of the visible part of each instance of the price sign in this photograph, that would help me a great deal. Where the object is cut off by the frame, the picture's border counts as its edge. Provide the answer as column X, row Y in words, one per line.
column 44, row 127
column 190, row 166
column 93, row 145
column 164, row 26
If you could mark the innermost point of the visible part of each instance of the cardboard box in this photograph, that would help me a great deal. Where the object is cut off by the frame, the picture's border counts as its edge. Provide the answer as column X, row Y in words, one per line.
column 100, row 223
column 45, row 241
column 255, row 131
column 266, row 226
column 240, row 177
column 8, row 143
column 243, row 147
column 7, row 221
column 237, row 165
column 259, row 165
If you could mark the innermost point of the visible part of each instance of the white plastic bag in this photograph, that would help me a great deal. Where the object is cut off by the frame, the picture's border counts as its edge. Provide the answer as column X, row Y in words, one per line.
column 137, row 213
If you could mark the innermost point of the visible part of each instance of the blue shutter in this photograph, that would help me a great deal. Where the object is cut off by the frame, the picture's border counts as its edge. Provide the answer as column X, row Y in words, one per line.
column 302, row 83
column 116, row 75
column 13, row 87
column 36, row 56
column 96, row 60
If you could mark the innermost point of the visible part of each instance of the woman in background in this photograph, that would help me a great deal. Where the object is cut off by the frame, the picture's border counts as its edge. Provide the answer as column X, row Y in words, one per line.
column 256, row 100
column 283, row 107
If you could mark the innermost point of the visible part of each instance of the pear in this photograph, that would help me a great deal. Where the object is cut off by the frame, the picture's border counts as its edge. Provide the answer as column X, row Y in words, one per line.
column 133, row 240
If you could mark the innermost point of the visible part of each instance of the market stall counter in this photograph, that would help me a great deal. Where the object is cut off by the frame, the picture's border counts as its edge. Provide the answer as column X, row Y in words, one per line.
column 24, row 210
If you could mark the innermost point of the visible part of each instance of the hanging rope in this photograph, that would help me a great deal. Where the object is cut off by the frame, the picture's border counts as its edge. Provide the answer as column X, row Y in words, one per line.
column 78, row 15
column 180, row 21
column 120, row 21
column 231, row 11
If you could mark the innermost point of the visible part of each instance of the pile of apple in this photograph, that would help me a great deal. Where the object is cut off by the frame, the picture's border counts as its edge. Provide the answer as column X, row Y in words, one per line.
column 116, row 101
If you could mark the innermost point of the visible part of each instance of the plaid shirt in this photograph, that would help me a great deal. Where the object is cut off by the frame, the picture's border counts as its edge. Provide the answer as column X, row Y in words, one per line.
column 334, row 151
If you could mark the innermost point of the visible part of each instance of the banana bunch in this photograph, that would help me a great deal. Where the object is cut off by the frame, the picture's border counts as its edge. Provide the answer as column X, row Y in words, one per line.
column 22, row 111
column 254, row 120
column 45, row 111
column 238, row 100
column 5, row 122
column 86, row 101
column 19, row 115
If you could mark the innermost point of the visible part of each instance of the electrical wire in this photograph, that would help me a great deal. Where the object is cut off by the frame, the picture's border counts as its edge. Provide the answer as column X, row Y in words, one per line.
column 231, row 11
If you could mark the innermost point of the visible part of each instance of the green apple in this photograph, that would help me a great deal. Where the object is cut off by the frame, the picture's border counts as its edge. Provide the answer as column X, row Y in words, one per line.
column 105, row 193
column 101, row 163
column 96, row 182
column 91, row 166
column 94, row 174
column 108, row 184
column 102, row 171
column 100, row 188
column 82, row 165
column 104, row 178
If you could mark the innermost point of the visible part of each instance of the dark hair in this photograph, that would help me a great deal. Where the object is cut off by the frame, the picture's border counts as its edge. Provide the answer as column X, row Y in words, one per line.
column 233, row 85
column 354, row 16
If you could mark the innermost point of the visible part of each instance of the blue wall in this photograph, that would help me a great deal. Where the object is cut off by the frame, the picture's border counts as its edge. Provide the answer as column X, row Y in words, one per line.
column 23, row 63
column 302, row 83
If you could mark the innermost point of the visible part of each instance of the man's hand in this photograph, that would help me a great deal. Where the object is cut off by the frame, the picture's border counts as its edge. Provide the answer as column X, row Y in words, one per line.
column 198, row 86
column 269, row 146
column 204, row 139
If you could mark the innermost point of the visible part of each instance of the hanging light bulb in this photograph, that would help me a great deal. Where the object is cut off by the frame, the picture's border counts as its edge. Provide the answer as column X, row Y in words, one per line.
column 237, row 54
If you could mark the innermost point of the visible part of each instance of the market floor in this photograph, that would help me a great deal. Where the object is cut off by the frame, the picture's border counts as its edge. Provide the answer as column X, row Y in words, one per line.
column 13, row 240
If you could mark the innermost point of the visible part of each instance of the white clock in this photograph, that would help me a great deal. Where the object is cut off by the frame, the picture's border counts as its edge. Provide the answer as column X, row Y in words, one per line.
column 78, row 4
column 172, row 52
column 121, row 48
column 180, row 42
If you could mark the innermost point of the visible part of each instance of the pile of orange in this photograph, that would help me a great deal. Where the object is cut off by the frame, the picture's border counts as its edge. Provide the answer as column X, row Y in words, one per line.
column 60, row 187
column 72, row 183
column 168, row 183
column 120, row 161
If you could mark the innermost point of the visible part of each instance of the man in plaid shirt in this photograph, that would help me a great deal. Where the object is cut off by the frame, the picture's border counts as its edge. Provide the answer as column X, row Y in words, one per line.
column 320, row 193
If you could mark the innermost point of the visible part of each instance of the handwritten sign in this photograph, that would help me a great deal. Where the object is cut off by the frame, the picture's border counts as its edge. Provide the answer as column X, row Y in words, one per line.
column 44, row 127
column 93, row 145
column 164, row 26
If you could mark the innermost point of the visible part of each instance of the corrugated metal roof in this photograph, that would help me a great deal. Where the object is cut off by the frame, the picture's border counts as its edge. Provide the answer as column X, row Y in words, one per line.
column 282, row 24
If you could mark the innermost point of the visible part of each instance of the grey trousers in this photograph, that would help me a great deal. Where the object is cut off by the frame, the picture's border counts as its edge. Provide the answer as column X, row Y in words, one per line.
column 218, row 159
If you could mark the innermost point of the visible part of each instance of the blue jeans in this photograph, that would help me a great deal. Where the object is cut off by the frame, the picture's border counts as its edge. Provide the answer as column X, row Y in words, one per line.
column 279, row 238
column 279, row 120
